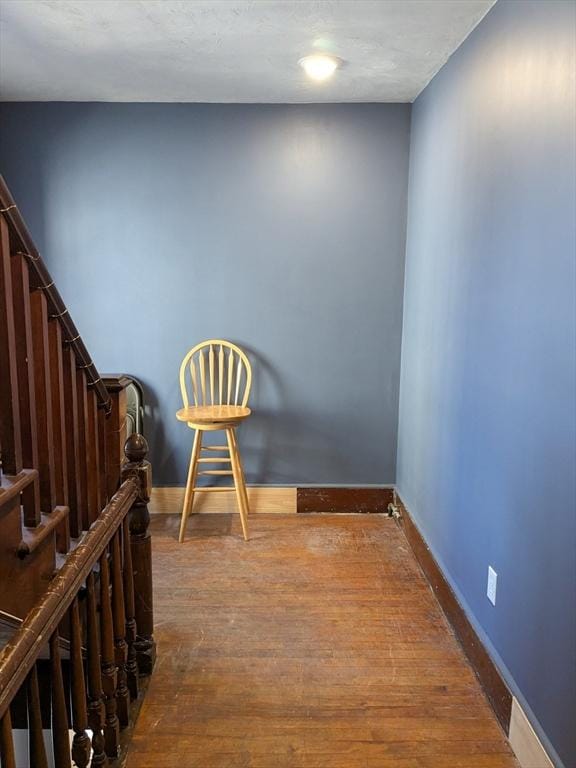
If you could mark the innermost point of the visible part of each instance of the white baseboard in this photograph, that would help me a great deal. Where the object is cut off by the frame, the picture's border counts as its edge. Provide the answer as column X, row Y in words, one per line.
column 262, row 499
column 524, row 741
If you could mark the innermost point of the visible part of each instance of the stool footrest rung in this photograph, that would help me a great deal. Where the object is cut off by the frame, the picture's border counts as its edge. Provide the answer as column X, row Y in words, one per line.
column 214, row 447
column 216, row 472
column 214, row 489
column 215, row 459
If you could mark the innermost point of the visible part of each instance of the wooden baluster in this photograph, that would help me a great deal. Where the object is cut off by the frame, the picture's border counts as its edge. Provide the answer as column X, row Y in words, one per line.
column 102, row 455
column 194, row 380
column 211, row 364
column 202, row 364
column 59, row 430
column 81, row 741
column 27, row 400
column 230, row 375
column 72, row 442
column 10, row 431
column 109, row 676
column 220, row 374
column 36, row 745
column 31, row 514
column 95, row 693
column 128, row 576
column 82, row 395
column 6, row 742
column 119, row 619
column 238, row 378
column 60, row 725
column 92, row 457
column 43, row 395
column 136, row 449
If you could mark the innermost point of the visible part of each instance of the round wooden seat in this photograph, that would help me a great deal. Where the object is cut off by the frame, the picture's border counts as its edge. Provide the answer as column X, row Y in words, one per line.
column 207, row 415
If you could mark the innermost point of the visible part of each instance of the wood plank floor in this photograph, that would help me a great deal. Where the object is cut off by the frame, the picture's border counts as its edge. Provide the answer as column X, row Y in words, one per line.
column 317, row 644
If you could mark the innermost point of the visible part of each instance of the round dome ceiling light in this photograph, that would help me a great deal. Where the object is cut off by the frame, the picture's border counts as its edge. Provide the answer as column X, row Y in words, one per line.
column 320, row 66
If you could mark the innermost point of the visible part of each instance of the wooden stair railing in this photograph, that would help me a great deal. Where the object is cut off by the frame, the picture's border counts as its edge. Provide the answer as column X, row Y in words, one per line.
column 91, row 600
column 51, row 430
column 62, row 435
column 61, row 428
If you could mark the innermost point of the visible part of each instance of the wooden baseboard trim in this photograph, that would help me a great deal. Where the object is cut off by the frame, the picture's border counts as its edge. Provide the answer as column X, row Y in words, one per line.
column 262, row 499
column 524, row 741
column 487, row 672
column 287, row 500
column 344, row 500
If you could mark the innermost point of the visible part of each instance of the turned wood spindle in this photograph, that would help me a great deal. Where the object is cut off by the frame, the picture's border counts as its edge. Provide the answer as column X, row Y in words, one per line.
column 95, row 693
column 108, row 663
column 60, row 726
column 36, row 747
column 81, row 740
column 119, row 620
column 128, row 575
column 6, row 742
column 136, row 449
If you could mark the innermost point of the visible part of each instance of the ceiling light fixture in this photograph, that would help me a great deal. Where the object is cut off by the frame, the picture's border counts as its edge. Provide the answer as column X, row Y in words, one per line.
column 320, row 66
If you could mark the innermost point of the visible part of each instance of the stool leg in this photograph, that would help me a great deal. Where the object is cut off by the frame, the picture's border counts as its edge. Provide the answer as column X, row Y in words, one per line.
column 244, row 490
column 190, row 483
column 238, row 484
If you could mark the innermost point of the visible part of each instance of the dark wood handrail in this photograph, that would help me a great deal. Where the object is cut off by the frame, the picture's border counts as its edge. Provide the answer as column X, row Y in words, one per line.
column 40, row 278
column 24, row 647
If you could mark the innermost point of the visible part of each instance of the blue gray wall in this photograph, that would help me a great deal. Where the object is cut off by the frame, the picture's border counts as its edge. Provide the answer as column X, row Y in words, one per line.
column 281, row 228
column 487, row 434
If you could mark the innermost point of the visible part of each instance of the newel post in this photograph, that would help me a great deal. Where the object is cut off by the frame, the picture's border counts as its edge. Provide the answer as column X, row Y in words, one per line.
column 136, row 466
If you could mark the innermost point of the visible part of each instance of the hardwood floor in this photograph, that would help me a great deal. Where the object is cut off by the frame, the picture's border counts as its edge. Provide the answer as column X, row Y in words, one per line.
column 317, row 644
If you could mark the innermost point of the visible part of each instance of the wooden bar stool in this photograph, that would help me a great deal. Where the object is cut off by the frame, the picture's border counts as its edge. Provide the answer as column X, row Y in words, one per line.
column 220, row 377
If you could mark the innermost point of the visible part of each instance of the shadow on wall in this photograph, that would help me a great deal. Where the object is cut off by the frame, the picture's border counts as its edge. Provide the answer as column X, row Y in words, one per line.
column 272, row 435
column 154, row 425
column 269, row 438
column 264, row 423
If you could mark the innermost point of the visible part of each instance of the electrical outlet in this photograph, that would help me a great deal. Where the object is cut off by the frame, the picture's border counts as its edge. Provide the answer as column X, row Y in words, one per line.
column 492, row 583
